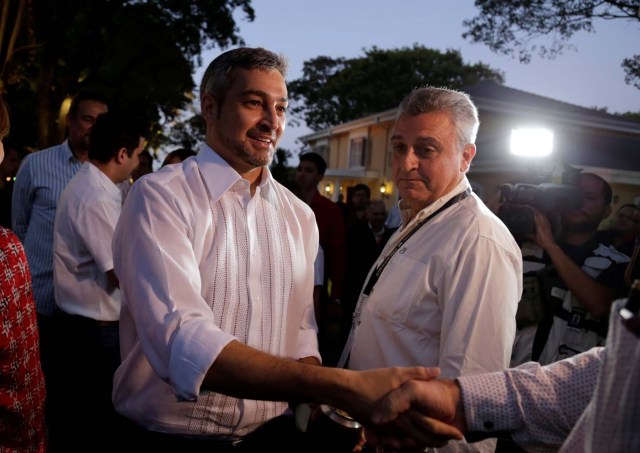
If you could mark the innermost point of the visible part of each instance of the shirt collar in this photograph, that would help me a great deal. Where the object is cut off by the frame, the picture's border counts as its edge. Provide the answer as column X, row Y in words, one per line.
column 406, row 213
column 67, row 151
column 105, row 182
column 220, row 177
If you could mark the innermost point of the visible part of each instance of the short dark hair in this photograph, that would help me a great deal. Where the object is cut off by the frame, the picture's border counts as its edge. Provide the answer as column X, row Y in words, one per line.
column 109, row 134
column 362, row 187
column 85, row 96
column 217, row 78
column 317, row 159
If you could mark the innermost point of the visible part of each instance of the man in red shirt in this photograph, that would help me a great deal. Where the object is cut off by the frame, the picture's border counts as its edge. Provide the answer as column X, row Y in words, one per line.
column 333, row 242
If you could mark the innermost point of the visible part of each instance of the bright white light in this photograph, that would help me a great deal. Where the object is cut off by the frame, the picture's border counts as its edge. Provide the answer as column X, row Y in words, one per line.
column 531, row 142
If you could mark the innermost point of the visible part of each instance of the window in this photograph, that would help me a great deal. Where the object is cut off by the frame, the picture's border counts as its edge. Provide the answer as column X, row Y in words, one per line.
column 357, row 153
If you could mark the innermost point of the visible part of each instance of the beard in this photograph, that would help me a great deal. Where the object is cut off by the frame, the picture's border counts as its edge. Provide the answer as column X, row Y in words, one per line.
column 256, row 159
column 242, row 150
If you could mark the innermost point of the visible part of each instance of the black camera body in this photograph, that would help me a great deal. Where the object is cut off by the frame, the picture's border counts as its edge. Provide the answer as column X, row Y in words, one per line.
column 519, row 200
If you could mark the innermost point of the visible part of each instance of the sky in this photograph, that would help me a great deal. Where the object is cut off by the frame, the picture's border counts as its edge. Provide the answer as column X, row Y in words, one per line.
column 589, row 76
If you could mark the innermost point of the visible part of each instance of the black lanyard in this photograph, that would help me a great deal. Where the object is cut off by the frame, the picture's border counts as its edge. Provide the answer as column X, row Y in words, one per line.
column 375, row 275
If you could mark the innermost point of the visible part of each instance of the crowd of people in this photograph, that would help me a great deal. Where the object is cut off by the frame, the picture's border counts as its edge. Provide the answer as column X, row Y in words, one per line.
column 206, row 307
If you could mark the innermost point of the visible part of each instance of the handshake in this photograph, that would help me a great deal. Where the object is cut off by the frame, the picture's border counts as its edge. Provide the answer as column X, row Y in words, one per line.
column 420, row 411
column 418, row 414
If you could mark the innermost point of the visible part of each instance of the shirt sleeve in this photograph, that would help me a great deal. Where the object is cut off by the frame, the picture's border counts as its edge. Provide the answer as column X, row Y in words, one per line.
column 307, row 344
column 538, row 405
column 95, row 225
column 21, row 200
column 161, row 287
column 479, row 300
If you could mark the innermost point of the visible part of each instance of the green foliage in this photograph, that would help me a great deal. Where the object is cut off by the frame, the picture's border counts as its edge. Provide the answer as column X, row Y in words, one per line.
column 632, row 69
column 333, row 91
column 631, row 115
column 140, row 54
column 514, row 27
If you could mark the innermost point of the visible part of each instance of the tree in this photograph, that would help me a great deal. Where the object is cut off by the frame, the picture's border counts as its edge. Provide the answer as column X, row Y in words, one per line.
column 140, row 54
column 333, row 91
column 510, row 28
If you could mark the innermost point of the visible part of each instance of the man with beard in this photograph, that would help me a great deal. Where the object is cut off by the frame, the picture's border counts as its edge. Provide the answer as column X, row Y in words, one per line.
column 40, row 180
column 580, row 283
column 217, row 330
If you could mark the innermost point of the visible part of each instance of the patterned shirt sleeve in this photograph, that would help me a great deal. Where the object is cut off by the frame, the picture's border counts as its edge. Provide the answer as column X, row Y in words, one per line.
column 538, row 405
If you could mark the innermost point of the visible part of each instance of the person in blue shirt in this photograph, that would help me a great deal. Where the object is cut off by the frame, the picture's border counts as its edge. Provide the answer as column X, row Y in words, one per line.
column 39, row 182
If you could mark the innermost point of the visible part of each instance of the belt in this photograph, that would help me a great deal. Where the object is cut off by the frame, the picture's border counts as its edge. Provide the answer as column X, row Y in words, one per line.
column 106, row 323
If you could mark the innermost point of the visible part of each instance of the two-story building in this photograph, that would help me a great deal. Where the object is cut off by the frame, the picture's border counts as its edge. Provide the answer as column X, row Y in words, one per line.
column 586, row 139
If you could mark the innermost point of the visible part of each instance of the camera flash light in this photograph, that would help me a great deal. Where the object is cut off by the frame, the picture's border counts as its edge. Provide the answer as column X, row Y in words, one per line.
column 531, row 142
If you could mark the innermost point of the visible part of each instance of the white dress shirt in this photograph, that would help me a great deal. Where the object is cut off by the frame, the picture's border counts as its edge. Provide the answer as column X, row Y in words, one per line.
column 593, row 398
column 86, row 218
column 447, row 298
column 201, row 262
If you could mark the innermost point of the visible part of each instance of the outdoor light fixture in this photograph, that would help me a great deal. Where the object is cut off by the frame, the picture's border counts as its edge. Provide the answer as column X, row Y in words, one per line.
column 531, row 142
column 327, row 189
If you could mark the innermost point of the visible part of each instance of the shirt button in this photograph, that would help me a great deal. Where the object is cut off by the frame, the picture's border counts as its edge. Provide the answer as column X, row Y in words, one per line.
column 488, row 425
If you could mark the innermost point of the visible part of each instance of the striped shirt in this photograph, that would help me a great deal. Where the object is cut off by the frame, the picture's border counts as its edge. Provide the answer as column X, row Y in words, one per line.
column 39, row 182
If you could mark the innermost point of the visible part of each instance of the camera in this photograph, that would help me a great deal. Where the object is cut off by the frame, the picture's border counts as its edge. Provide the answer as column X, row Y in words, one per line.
column 519, row 200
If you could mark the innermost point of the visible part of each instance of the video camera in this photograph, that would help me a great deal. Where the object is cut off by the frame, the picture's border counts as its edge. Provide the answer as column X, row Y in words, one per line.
column 519, row 200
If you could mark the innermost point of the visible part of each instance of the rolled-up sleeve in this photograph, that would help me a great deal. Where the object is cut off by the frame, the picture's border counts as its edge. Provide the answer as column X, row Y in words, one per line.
column 155, row 261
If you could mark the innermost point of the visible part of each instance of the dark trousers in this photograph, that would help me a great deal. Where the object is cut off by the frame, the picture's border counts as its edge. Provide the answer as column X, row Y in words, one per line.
column 90, row 356
column 49, row 333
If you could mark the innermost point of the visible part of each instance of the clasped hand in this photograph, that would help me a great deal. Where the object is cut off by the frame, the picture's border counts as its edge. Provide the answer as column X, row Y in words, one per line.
column 416, row 415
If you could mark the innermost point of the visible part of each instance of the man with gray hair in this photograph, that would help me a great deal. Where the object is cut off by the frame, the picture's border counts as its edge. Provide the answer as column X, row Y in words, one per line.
column 444, row 290
column 217, row 327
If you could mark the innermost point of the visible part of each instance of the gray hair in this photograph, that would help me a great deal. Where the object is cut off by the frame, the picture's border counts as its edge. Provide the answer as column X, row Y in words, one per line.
column 217, row 78
column 456, row 104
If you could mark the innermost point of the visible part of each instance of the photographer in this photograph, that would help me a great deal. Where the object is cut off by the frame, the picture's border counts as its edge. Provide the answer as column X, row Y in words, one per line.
column 581, row 279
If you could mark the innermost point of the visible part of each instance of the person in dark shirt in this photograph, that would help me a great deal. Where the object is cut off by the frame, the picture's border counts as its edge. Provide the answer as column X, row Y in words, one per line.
column 365, row 241
column 333, row 240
